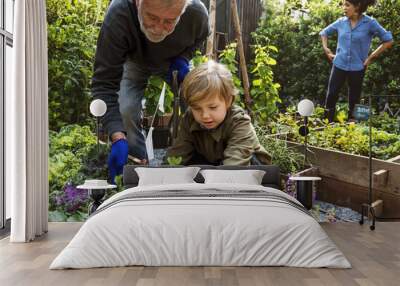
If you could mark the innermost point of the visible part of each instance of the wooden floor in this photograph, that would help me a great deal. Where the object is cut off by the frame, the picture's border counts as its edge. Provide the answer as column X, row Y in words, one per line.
column 375, row 256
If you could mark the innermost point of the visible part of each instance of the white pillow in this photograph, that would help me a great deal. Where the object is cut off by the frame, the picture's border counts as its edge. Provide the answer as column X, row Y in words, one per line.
column 248, row 177
column 164, row 176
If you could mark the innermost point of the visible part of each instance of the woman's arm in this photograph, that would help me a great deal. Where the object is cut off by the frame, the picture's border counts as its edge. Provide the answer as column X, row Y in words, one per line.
column 327, row 51
column 325, row 33
column 377, row 52
column 386, row 38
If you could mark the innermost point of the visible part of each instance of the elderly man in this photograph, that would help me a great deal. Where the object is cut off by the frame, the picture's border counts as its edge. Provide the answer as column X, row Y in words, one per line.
column 138, row 39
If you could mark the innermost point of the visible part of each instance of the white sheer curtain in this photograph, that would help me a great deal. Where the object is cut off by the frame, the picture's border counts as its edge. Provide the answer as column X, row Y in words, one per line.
column 27, row 124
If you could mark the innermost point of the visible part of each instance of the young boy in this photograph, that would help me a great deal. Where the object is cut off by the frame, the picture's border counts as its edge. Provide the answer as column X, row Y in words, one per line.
column 213, row 130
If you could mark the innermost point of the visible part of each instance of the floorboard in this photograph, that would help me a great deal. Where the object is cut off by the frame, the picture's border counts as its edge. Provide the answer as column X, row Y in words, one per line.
column 375, row 257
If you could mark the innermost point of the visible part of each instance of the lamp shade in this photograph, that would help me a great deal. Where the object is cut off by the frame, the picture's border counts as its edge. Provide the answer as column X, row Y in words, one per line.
column 98, row 107
column 305, row 107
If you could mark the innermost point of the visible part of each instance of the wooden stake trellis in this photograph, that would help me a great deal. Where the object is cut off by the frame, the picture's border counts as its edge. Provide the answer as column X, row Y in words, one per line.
column 242, row 59
column 210, row 50
column 211, row 38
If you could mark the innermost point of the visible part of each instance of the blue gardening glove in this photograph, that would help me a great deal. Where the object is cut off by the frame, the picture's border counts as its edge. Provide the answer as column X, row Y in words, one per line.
column 181, row 65
column 117, row 158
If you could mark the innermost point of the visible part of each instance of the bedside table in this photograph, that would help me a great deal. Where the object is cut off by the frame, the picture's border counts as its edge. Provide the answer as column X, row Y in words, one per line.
column 304, row 189
column 96, row 189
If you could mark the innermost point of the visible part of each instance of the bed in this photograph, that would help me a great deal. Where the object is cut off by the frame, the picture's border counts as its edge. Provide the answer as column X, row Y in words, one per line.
column 202, row 222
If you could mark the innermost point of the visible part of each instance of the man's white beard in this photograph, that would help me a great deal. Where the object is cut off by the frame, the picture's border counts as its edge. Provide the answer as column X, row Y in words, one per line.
column 150, row 34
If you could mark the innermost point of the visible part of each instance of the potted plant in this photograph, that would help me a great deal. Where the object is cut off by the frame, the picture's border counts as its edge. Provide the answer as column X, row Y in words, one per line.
column 152, row 114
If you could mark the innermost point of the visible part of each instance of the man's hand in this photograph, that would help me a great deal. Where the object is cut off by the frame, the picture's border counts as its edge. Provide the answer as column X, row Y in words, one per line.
column 117, row 158
column 181, row 65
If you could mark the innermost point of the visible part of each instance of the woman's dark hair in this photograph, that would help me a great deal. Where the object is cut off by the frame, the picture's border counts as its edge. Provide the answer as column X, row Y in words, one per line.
column 362, row 4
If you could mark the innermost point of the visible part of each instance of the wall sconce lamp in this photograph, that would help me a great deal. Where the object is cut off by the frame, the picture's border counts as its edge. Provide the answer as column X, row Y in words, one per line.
column 98, row 108
column 305, row 109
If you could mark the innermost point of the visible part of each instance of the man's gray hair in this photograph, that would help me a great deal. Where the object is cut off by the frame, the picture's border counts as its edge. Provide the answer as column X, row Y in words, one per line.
column 169, row 3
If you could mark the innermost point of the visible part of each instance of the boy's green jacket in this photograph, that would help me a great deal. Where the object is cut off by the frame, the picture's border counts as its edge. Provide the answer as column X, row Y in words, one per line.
column 233, row 142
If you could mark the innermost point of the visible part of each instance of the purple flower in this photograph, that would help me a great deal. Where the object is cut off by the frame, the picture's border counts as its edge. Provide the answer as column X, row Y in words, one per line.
column 290, row 187
column 71, row 199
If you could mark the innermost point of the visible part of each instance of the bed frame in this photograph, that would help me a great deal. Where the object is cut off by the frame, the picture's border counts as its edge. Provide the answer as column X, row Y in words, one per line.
column 270, row 179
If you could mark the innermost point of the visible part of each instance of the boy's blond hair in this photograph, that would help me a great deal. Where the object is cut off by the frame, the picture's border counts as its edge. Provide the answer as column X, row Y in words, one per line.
column 209, row 78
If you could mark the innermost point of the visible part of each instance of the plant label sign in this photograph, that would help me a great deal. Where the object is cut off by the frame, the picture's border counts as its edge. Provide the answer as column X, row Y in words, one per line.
column 361, row 112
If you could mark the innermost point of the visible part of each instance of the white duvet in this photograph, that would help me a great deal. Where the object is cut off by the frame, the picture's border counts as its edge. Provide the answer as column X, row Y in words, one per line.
column 183, row 231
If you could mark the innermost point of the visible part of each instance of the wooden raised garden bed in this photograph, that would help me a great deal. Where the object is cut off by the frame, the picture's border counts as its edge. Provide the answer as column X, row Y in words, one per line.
column 345, row 179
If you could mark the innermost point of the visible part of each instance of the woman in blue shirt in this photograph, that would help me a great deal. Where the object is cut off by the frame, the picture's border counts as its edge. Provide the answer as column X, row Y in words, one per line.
column 355, row 32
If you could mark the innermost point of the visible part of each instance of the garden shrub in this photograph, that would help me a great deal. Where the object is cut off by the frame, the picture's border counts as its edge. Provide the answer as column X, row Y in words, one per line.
column 73, row 28
column 73, row 158
column 288, row 159
column 302, row 68
column 382, row 76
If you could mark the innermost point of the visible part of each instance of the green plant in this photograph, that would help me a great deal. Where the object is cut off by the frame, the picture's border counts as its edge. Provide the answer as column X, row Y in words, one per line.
column 288, row 123
column 74, row 138
column 198, row 58
column 67, row 150
column 228, row 58
column 69, row 204
column 288, row 159
column 381, row 76
column 155, row 85
column 351, row 138
column 387, row 123
column 354, row 139
column 152, row 94
column 74, row 157
column 119, row 182
column 264, row 91
column 174, row 161
column 120, row 187
column 94, row 162
column 73, row 28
